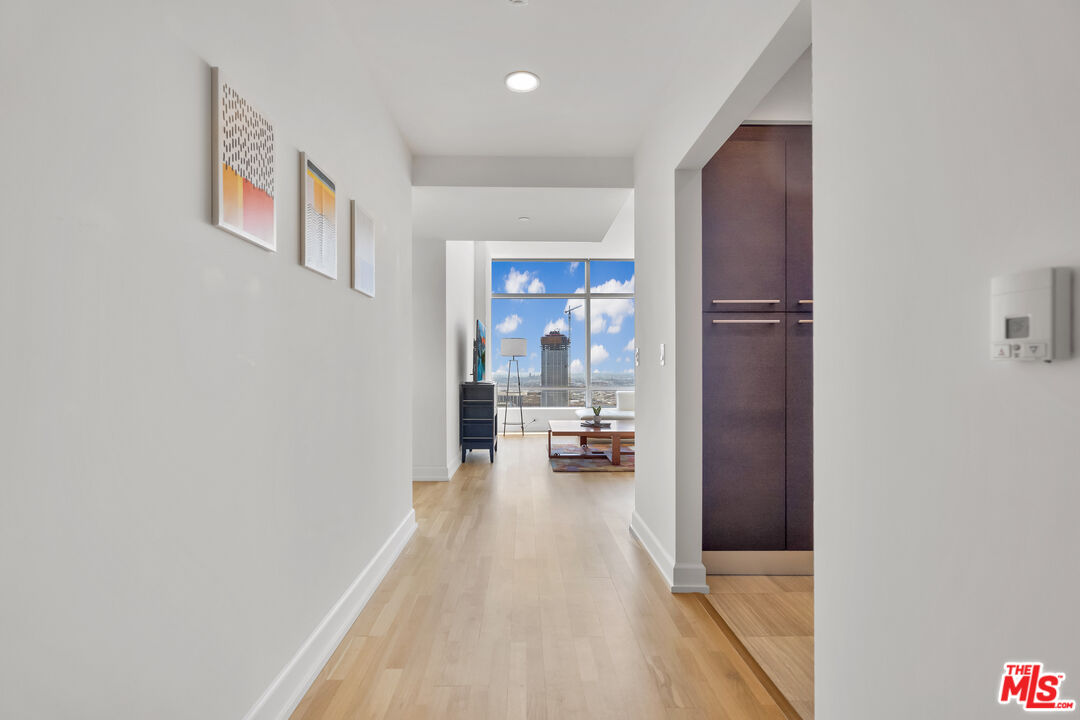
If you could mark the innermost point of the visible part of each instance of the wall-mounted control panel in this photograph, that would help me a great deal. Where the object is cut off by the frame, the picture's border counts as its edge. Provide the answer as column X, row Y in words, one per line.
column 1031, row 315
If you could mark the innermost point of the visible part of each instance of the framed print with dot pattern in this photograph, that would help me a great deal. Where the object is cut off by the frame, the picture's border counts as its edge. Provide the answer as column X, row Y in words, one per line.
column 243, row 167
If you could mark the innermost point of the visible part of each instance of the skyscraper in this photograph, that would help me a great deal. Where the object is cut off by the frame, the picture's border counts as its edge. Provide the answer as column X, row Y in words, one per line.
column 554, row 369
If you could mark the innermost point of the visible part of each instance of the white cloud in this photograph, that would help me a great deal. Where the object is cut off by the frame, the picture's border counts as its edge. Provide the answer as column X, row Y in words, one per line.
column 510, row 324
column 574, row 266
column 607, row 314
column 559, row 325
column 522, row 282
column 629, row 371
column 614, row 286
column 599, row 354
column 576, row 367
column 629, row 346
column 515, row 281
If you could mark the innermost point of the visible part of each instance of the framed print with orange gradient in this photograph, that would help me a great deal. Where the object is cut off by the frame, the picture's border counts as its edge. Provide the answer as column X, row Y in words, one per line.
column 243, row 166
column 318, row 219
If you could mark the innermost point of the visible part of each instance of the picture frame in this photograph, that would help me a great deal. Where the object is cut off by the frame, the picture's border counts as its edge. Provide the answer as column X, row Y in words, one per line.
column 318, row 219
column 243, row 168
column 363, row 251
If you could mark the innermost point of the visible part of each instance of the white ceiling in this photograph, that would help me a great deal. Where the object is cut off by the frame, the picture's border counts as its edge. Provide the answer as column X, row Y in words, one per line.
column 440, row 67
column 491, row 214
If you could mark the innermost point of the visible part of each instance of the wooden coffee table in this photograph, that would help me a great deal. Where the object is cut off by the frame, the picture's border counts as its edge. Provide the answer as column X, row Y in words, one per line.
column 617, row 432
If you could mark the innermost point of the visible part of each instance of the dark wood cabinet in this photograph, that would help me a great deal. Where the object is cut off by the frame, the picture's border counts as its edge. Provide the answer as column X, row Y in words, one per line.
column 800, row 219
column 479, row 418
column 743, row 227
column 757, row 282
column 757, row 222
column 800, row 432
column 745, row 409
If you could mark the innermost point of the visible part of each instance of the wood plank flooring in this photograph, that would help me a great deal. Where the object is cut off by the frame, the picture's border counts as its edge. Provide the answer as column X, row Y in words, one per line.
column 523, row 595
column 773, row 616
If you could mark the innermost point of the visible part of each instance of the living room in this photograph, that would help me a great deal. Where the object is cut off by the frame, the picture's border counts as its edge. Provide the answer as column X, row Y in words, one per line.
column 246, row 250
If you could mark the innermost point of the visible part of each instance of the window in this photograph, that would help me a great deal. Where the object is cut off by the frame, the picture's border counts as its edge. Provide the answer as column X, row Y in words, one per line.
column 577, row 319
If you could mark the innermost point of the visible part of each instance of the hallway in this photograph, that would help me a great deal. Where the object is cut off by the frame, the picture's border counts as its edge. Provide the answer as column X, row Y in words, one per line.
column 523, row 594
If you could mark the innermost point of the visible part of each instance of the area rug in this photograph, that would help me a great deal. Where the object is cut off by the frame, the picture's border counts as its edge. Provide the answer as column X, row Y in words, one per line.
column 598, row 459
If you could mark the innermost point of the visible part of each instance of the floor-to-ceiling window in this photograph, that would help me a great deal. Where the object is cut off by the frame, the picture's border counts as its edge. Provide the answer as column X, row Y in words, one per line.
column 577, row 320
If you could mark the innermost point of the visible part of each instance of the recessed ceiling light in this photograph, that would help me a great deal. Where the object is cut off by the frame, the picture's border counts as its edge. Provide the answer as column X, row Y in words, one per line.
column 519, row 2
column 524, row 218
column 522, row 81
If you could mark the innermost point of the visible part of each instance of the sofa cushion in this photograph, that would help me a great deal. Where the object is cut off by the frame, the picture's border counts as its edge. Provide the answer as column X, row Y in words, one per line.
column 624, row 400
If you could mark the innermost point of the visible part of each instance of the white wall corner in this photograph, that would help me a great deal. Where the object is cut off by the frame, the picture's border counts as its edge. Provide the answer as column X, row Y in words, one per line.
column 661, row 558
column 689, row 574
column 431, row 473
column 776, row 59
column 689, row 577
column 453, row 463
column 289, row 687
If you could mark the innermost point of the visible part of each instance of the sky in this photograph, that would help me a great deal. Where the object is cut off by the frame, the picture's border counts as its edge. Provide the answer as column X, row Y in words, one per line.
column 612, row 346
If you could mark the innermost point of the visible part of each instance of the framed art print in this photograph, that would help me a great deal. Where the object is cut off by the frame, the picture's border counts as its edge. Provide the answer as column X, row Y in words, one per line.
column 318, row 228
column 243, row 166
column 363, row 251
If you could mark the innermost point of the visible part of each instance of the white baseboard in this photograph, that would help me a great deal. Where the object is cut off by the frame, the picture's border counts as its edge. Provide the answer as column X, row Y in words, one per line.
column 661, row 559
column 431, row 473
column 689, row 578
column 288, row 688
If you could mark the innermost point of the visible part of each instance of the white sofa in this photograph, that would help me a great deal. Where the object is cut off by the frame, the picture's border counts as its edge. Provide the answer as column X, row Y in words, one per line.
column 623, row 410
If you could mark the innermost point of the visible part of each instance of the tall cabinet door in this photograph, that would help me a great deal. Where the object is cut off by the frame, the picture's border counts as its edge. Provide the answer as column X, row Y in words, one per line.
column 800, row 432
column 744, row 219
column 744, row 409
column 800, row 219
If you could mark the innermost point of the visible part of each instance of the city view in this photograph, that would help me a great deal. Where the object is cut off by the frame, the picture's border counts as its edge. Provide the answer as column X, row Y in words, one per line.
column 558, row 334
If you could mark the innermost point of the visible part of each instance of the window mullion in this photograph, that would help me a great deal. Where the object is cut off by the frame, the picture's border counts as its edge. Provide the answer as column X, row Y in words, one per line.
column 588, row 334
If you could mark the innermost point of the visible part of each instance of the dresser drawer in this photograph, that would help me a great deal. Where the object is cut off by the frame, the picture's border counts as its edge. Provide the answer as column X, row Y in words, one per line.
column 477, row 411
column 471, row 429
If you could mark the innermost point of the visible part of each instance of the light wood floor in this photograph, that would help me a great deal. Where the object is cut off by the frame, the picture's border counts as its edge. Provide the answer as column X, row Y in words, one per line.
column 523, row 595
column 773, row 616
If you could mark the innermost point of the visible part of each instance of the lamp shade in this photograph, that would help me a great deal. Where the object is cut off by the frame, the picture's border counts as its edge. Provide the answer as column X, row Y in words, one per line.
column 512, row 347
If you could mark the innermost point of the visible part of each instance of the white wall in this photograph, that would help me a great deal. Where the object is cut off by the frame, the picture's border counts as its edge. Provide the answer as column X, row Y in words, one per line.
column 946, row 484
column 429, row 361
column 522, row 172
column 192, row 471
column 460, row 329
column 709, row 98
column 618, row 242
column 789, row 100
column 443, row 327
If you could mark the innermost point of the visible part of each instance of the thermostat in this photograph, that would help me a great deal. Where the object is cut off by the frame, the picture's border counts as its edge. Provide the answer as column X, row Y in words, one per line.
column 1031, row 315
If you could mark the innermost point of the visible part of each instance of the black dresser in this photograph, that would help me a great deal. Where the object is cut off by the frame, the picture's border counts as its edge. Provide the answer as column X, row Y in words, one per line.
column 479, row 418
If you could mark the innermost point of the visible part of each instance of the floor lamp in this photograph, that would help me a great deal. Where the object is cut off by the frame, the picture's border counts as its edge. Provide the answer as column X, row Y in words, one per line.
column 513, row 348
